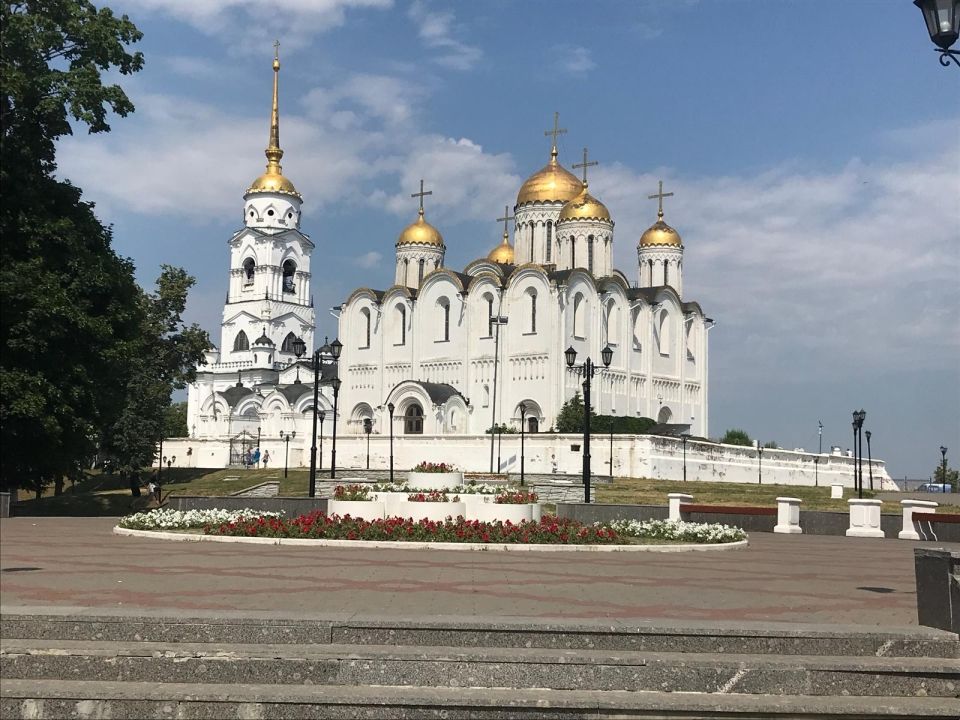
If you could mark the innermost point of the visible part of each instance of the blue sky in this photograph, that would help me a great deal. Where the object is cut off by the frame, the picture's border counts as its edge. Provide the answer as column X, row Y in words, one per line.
column 813, row 147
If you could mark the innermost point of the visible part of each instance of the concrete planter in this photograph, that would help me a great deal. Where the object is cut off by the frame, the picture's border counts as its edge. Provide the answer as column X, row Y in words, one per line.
column 394, row 503
column 358, row 509
column 788, row 516
column 472, row 503
column 492, row 512
column 864, row 518
column 836, row 492
column 674, row 500
column 434, row 481
column 436, row 511
column 910, row 528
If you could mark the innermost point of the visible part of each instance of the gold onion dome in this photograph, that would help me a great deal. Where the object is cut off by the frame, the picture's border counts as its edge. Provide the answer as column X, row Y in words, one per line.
column 584, row 207
column 502, row 253
column 420, row 232
column 660, row 234
column 273, row 180
column 551, row 183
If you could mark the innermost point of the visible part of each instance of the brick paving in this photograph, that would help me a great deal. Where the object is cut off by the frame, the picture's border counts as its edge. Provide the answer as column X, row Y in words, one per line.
column 78, row 562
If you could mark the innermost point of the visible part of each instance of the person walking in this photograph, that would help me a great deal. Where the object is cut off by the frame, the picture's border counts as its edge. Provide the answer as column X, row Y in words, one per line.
column 266, row 458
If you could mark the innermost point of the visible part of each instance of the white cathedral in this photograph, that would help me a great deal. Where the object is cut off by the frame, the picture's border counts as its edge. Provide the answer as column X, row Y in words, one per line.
column 455, row 351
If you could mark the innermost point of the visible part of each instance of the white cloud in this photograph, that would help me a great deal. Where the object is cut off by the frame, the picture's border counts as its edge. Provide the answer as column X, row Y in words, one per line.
column 390, row 99
column 369, row 260
column 575, row 60
column 437, row 30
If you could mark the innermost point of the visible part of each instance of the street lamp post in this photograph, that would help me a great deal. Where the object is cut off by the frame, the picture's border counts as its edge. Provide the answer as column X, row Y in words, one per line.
column 867, row 434
column 286, row 437
column 942, row 18
column 759, row 463
column 611, row 450
column 816, row 460
column 332, row 351
column 685, row 437
column 858, row 417
column 390, row 409
column 258, row 447
column 496, row 321
column 335, row 383
column 943, row 466
column 321, row 416
column 368, row 428
column 587, row 370
column 523, row 418
column 856, row 485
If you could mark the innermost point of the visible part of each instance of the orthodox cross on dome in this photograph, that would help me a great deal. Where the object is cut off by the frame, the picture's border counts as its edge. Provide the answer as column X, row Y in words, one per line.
column 421, row 195
column 557, row 130
column 660, row 195
column 507, row 217
column 276, row 50
column 585, row 165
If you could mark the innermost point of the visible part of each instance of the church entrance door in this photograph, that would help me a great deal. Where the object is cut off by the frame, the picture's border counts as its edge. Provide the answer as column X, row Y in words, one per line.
column 413, row 420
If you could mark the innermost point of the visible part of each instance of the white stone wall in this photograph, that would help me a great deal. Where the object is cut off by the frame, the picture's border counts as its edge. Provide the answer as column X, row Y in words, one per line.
column 634, row 456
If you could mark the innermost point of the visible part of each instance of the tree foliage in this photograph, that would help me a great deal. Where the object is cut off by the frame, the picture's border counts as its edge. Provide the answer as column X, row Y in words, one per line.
column 570, row 420
column 736, row 436
column 175, row 421
column 951, row 476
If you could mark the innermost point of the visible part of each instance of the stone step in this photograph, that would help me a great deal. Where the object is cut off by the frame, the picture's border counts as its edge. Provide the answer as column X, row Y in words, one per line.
column 698, row 637
column 424, row 666
column 46, row 699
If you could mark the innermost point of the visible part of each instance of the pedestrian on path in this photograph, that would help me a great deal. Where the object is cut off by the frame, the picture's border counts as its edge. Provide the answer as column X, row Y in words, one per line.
column 266, row 458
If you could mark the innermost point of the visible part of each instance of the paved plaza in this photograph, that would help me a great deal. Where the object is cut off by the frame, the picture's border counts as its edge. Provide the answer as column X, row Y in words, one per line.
column 79, row 563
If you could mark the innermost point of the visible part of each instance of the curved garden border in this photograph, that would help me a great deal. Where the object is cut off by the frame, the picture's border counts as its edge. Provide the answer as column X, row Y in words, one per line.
column 385, row 544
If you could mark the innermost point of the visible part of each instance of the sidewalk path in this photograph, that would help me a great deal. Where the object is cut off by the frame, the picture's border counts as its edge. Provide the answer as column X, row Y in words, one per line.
column 816, row 579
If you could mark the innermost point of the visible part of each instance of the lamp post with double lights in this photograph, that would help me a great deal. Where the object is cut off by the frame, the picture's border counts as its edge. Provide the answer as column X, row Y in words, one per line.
column 587, row 370
column 321, row 416
column 759, row 463
column 816, row 460
column 943, row 467
column 523, row 419
column 367, row 429
column 390, row 409
column 286, row 437
column 867, row 435
column 685, row 437
column 858, row 417
column 332, row 351
column 496, row 321
column 942, row 18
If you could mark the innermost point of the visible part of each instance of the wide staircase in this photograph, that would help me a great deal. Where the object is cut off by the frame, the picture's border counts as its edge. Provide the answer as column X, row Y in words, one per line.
column 86, row 666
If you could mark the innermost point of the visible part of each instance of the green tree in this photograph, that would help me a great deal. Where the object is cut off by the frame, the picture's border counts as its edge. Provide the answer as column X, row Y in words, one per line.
column 175, row 420
column 69, row 309
column 951, row 476
column 736, row 436
column 570, row 417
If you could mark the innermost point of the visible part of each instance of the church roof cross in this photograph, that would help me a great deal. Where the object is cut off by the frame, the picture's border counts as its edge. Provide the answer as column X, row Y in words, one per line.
column 557, row 130
column 585, row 165
column 421, row 195
column 659, row 196
column 507, row 217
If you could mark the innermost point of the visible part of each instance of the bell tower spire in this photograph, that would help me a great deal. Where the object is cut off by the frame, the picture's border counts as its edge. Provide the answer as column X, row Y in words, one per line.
column 273, row 151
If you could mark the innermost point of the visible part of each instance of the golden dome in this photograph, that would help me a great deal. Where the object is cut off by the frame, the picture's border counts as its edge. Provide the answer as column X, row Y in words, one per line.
column 660, row 234
column 552, row 183
column 584, row 207
column 502, row 253
column 420, row 233
column 273, row 180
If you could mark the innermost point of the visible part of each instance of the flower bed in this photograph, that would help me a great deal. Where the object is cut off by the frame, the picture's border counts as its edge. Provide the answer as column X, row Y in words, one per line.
column 550, row 531
column 352, row 493
column 516, row 498
column 678, row 530
column 429, row 467
column 169, row 519
column 477, row 489
column 434, row 476
column 431, row 496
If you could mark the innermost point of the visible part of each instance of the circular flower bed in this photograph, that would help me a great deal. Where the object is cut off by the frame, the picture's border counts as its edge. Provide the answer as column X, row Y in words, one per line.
column 169, row 519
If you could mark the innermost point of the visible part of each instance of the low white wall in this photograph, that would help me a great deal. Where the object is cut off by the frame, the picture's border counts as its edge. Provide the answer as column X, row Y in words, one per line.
column 634, row 456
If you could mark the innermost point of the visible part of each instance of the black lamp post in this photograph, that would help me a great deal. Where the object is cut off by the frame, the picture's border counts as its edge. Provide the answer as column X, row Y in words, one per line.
column 390, row 409
column 759, row 463
column 258, row 446
column 858, row 417
column 587, row 369
column 286, row 437
column 320, row 355
column 335, row 383
column 867, row 434
column 685, row 437
column 611, row 449
column 523, row 418
column 816, row 460
column 943, row 24
column 943, row 466
column 856, row 485
column 368, row 428
column 321, row 415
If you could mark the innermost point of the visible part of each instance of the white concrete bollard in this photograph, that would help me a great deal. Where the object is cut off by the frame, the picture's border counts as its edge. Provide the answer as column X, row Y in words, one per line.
column 836, row 491
column 674, row 501
column 909, row 531
column 788, row 516
column 864, row 518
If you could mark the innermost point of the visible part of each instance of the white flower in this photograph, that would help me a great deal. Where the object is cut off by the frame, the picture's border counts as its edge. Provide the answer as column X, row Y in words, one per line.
column 169, row 519
column 679, row 530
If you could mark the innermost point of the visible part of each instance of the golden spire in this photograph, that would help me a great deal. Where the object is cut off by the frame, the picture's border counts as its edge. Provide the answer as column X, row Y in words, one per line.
column 273, row 180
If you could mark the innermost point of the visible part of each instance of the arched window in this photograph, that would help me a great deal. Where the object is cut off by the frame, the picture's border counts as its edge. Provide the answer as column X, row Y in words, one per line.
column 289, row 270
column 444, row 319
column 533, row 425
column 365, row 319
column 401, row 319
column 650, row 272
column 579, row 316
column 590, row 253
column 666, row 273
column 413, row 420
column 420, row 271
column 613, row 323
column 287, row 345
column 489, row 315
column 573, row 252
column 249, row 268
column 549, row 240
column 533, row 312
column 532, row 226
column 663, row 332
column 486, row 396
column 241, row 343
column 637, row 329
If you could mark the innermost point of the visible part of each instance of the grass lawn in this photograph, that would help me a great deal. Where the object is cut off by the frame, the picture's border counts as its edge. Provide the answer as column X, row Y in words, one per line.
column 640, row 491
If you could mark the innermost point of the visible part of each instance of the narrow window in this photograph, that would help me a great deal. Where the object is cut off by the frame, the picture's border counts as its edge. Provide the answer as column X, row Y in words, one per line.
column 532, row 225
column 402, row 323
column 249, row 268
column 489, row 316
column 289, row 270
column 573, row 252
column 445, row 318
column 420, row 276
column 666, row 273
column 365, row 313
column 590, row 253
column 549, row 241
column 533, row 312
column 578, row 317
column 650, row 275
column 241, row 343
